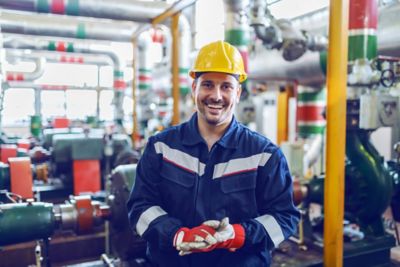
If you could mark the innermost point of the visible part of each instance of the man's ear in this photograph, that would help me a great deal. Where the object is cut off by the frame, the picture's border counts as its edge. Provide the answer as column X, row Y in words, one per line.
column 194, row 83
column 239, row 92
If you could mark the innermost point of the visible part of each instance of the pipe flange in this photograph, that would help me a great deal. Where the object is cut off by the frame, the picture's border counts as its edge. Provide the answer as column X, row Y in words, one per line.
column 85, row 214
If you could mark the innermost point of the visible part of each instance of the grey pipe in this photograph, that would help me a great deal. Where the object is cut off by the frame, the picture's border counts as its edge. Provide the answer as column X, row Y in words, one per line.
column 130, row 10
column 30, row 85
column 308, row 69
column 66, row 26
column 185, row 45
column 28, row 76
column 59, row 57
column 388, row 27
column 270, row 65
column 80, row 46
column 162, row 73
column 144, row 42
column 388, row 34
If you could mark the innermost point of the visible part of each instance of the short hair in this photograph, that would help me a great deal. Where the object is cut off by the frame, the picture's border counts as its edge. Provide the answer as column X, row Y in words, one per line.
column 198, row 74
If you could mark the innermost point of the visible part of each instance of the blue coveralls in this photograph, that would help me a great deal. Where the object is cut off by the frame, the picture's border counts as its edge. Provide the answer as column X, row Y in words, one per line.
column 179, row 183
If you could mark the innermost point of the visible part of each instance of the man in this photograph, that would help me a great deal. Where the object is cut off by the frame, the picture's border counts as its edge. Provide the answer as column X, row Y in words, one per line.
column 211, row 192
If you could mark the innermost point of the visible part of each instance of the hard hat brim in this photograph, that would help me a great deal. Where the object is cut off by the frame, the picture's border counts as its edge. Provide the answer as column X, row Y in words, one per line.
column 242, row 77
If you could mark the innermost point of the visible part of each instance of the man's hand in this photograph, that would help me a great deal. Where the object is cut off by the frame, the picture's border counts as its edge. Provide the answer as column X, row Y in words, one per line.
column 230, row 236
column 224, row 230
column 197, row 239
column 209, row 235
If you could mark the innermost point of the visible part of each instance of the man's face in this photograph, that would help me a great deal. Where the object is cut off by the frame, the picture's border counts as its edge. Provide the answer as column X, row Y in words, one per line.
column 216, row 95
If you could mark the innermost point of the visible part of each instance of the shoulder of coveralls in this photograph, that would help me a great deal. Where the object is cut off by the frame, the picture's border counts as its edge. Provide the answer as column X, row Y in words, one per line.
column 252, row 139
column 168, row 134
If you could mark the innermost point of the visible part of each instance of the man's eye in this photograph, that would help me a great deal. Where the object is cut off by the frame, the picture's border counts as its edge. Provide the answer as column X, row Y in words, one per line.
column 227, row 87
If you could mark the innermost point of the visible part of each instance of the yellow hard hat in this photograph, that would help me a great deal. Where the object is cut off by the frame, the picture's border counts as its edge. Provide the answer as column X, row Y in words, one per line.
column 219, row 56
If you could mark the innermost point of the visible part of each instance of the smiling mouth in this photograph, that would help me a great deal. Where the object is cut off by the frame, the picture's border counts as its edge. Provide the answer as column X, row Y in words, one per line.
column 215, row 106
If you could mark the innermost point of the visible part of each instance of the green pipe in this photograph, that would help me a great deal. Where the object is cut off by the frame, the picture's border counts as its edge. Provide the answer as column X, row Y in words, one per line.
column 237, row 37
column 4, row 176
column 184, row 88
column 316, row 190
column 144, row 79
column 363, row 24
column 237, row 32
column 371, row 182
column 128, row 172
column 36, row 125
column 310, row 105
column 21, row 222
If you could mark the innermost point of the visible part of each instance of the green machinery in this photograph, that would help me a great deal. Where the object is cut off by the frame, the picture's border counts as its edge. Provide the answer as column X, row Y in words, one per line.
column 28, row 221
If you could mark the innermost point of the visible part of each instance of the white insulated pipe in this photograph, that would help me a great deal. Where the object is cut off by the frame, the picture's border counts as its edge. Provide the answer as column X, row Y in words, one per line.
column 66, row 26
column 130, row 10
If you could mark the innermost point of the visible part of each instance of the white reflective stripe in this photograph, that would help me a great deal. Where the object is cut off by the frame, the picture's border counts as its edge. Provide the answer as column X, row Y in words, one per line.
column 180, row 159
column 272, row 227
column 240, row 165
column 364, row 31
column 147, row 217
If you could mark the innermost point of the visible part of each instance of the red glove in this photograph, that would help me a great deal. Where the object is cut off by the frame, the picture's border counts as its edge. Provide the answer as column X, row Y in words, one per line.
column 208, row 236
column 197, row 239
column 230, row 236
column 237, row 239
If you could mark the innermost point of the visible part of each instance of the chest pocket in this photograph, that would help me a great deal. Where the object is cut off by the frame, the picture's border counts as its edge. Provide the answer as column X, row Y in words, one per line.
column 177, row 175
column 231, row 184
column 237, row 199
column 176, row 189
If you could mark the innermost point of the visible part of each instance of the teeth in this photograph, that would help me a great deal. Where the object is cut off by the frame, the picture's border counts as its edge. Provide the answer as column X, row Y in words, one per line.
column 214, row 106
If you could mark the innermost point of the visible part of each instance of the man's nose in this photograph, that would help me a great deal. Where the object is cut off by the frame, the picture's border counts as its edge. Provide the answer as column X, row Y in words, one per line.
column 216, row 94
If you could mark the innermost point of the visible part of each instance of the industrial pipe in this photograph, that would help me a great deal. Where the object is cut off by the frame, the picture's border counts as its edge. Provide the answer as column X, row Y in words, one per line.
column 372, row 183
column 61, row 87
column 21, row 222
column 184, row 52
column 66, row 26
column 130, row 10
column 28, row 76
column 59, row 57
column 388, row 30
column 82, row 46
column 310, row 69
column 362, row 42
column 336, row 126
column 281, row 34
column 307, row 70
column 69, row 45
column 311, row 103
column 237, row 31
column 175, row 69
column 162, row 72
column 264, row 24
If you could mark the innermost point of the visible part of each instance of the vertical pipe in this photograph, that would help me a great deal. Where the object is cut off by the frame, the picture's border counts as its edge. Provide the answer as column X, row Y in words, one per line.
column 283, row 104
column 363, row 25
column 2, row 87
column 184, row 51
column 310, row 105
column 237, row 30
column 38, row 102
column 144, row 79
column 135, row 130
column 36, row 123
column 98, row 91
column 36, row 120
column 175, row 67
column 336, row 133
column 119, row 93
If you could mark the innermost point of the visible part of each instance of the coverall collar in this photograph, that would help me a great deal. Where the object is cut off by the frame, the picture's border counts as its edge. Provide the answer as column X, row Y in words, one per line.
column 191, row 135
